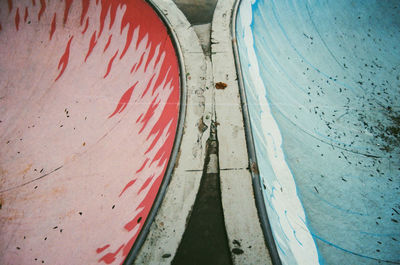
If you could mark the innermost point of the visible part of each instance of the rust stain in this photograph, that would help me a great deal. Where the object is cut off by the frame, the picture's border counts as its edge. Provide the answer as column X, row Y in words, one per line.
column 70, row 158
column 254, row 168
column 3, row 171
column 201, row 125
column 220, row 85
column 178, row 157
column 70, row 213
column 44, row 195
column 27, row 168
column 57, row 190
column 11, row 215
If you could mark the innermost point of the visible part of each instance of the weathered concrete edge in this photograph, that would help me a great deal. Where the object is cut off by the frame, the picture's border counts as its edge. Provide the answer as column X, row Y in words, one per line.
column 169, row 223
column 241, row 216
column 260, row 204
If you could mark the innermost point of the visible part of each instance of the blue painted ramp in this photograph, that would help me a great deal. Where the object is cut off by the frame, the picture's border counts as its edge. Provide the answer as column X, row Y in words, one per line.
column 322, row 85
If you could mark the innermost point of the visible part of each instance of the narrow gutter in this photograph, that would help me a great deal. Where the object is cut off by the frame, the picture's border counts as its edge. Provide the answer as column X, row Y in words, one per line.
column 205, row 240
column 257, row 187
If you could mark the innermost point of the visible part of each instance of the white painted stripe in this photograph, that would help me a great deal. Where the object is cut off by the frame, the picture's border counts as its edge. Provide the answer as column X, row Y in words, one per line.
column 293, row 238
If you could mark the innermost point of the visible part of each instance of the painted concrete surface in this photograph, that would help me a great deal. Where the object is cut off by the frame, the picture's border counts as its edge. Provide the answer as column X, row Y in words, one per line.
column 241, row 217
column 322, row 87
column 90, row 97
column 170, row 223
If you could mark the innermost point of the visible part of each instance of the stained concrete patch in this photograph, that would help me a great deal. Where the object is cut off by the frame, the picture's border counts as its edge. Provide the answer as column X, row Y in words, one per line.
column 203, row 32
column 205, row 239
column 197, row 12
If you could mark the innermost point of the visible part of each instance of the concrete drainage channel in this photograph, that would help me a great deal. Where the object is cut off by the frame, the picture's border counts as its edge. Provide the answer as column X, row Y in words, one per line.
column 208, row 215
column 187, row 173
column 205, row 240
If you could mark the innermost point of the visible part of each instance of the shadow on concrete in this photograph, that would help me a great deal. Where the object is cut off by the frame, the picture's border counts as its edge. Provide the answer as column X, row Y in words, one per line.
column 197, row 12
column 205, row 240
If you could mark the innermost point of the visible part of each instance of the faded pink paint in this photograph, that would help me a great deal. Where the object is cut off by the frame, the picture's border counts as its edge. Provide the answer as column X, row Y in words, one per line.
column 84, row 145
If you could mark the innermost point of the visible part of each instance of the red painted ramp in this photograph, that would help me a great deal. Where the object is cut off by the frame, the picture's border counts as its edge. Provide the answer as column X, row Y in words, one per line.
column 89, row 104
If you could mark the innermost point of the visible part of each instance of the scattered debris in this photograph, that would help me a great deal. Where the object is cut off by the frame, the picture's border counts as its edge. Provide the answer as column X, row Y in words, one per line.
column 220, row 85
column 237, row 251
column 236, row 242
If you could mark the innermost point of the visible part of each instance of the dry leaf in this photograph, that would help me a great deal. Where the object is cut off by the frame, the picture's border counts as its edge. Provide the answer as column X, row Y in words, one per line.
column 220, row 85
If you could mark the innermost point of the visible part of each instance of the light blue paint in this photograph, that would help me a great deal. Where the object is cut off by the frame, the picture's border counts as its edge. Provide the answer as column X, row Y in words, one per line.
column 322, row 81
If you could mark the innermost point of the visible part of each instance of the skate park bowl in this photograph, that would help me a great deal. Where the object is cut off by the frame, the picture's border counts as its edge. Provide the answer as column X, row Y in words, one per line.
column 90, row 107
column 108, row 108
column 321, row 90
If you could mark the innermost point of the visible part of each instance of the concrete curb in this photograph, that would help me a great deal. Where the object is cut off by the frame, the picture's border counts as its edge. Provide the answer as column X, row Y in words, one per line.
column 241, row 218
column 259, row 199
column 170, row 222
